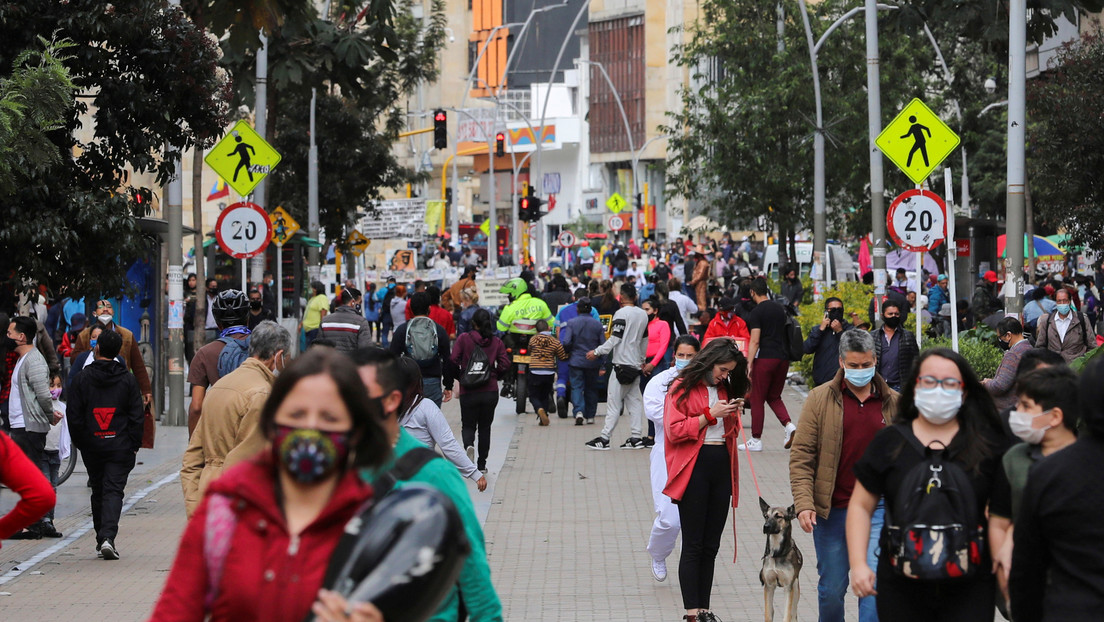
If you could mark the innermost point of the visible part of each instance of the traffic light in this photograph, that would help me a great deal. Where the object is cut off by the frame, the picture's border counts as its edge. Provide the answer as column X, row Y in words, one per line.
column 523, row 209
column 440, row 129
column 448, row 197
column 500, row 145
column 143, row 197
column 639, row 201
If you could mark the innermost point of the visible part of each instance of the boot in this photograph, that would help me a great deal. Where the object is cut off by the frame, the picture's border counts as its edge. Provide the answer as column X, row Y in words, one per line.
column 561, row 407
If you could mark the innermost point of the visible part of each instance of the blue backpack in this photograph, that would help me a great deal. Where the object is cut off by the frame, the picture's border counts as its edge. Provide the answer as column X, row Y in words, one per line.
column 233, row 354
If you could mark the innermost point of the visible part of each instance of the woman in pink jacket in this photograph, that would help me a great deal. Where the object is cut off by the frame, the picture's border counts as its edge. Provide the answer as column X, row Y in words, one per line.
column 701, row 424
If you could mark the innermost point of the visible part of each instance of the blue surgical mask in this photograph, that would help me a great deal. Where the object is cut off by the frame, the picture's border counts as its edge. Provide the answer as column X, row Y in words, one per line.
column 92, row 343
column 681, row 364
column 859, row 377
column 1063, row 309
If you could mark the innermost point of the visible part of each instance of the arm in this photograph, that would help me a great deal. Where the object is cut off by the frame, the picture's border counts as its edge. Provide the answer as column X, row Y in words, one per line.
column 753, row 346
column 1030, row 560
column 803, row 464
column 682, row 427
column 1041, row 332
column 813, row 340
column 859, row 513
column 398, row 340
column 196, row 407
column 1002, row 381
column 75, row 416
column 190, row 470
column 616, row 331
column 364, row 336
column 186, row 587
column 443, row 349
column 19, row 474
column 558, row 349
column 664, row 341
column 442, row 434
column 39, row 378
column 138, row 366
column 655, row 394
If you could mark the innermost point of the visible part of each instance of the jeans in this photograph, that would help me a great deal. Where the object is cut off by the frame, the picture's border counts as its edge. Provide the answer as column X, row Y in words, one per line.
column 477, row 412
column 833, row 566
column 431, row 390
column 312, row 335
column 107, row 475
column 540, row 389
column 584, row 391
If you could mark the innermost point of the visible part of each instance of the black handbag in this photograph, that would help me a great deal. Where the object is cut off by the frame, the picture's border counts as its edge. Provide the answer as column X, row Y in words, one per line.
column 626, row 374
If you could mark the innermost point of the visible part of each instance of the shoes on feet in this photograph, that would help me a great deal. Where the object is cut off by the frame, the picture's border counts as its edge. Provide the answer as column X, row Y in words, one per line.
column 579, row 419
column 552, row 407
column 471, row 453
column 648, row 441
column 543, row 416
column 790, row 429
column 659, row 569
column 707, row 616
column 561, row 407
column 26, row 534
column 599, row 443
column 753, row 444
column 633, row 443
column 108, row 550
column 590, row 421
column 48, row 530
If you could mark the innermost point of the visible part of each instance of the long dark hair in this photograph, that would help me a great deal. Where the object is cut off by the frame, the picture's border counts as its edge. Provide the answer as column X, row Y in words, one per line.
column 979, row 426
column 411, row 374
column 369, row 442
column 700, row 370
column 481, row 323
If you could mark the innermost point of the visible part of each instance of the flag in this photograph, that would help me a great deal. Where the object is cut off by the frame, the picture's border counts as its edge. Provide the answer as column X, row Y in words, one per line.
column 219, row 190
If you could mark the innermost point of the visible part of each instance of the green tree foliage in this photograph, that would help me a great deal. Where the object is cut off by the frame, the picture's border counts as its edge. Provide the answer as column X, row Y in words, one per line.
column 1066, row 135
column 146, row 78
column 855, row 297
column 742, row 142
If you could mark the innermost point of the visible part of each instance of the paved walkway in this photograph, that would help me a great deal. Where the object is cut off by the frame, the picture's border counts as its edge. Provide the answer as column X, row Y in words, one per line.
column 566, row 529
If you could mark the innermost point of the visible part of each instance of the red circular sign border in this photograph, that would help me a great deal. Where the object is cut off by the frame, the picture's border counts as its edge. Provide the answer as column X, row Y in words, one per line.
column 218, row 230
column 893, row 208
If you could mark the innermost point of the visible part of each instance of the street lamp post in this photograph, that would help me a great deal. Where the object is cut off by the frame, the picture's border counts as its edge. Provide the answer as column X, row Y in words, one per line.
column 1017, row 118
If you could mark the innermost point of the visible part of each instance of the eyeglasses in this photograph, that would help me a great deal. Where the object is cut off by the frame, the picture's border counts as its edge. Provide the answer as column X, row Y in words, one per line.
column 930, row 382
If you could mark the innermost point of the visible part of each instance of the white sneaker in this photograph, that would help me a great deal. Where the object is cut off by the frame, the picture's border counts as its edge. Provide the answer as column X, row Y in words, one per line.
column 790, row 429
column 753, row 444
column 471, row 453
column 659, row 569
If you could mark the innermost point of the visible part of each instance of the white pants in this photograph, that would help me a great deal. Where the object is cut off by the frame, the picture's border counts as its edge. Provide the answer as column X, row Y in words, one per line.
column 665, row 528
column 629, row 396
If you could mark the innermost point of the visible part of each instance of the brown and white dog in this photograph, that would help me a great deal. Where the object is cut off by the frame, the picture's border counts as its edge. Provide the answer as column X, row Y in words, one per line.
column 781, row 560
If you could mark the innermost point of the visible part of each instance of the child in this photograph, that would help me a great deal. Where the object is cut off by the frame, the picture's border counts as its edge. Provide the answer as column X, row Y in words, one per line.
column 57, row 449
column 544, row 351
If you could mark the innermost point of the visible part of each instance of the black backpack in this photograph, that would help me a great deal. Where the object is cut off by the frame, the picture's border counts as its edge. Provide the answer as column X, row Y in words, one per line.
column 478, row 370
column 795, row 345
column 933, row 531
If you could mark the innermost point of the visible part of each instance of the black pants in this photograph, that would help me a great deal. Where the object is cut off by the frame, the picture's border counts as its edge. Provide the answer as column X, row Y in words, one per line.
column 902, row 599
column 33, row 445
column 540, row 389
column 107, row 473
column 703, row 511
column 477, row 413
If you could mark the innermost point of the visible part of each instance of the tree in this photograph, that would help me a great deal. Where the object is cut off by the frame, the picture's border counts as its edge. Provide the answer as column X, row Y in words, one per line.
column 148, row 78
column 1066, row 138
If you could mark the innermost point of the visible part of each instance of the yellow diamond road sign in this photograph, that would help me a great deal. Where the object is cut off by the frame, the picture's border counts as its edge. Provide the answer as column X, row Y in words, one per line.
column 242, row 158
column 917, row 141
column 284, row 226
column 616, row 203
column 357, row 242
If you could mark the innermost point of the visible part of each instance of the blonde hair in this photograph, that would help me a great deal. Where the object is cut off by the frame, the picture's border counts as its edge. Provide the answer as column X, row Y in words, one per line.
column 469, row 294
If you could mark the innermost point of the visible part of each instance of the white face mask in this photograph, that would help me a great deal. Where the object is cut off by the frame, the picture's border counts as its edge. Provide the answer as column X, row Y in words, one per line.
column 1020, row 422
column 105, row 318
column 938, row 406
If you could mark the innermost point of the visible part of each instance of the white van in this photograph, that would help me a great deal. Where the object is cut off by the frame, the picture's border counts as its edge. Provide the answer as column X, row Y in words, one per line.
column 840, row 265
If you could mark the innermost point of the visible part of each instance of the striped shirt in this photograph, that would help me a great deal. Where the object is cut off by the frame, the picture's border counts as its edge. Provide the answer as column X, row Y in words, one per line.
column 544, row 350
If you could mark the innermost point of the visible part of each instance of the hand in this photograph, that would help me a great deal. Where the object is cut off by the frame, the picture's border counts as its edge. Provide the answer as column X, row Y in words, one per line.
column 601, row 372
column 724, row 409
column 862, row 581
column 837, row 326
column 147, row 398
column 824, row 322
column 1002, row 567
column 648, row 367
column 807, row 518
column 591, row 355
column 446, row 396
column 56, row 418
column 331, row 607
column 481, row 484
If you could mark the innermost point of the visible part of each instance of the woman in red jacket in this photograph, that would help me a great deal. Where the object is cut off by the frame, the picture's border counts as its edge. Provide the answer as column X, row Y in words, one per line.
column 22, row 477
column 258, row 545
column 701, row 422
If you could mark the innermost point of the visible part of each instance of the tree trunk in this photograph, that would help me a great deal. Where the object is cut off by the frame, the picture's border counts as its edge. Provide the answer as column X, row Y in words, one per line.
column 200, row 335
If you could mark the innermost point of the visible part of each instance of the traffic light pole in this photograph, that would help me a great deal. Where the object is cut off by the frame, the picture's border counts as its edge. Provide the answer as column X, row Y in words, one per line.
column 174, row 208
column 877, row 183
column 1015, row 199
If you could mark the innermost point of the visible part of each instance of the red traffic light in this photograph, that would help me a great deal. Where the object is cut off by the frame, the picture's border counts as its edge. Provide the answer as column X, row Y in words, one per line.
column 500, row 137
column 500, row 144
column 440, row 116
column 525, row 203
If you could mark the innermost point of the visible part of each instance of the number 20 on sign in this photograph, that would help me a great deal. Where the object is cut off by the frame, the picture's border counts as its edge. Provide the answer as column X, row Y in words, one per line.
column 918, row 220
column 243, row 230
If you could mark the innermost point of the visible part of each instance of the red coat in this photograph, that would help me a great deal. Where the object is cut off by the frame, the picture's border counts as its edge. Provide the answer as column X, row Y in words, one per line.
column 266, row 576
column 735, row 327
column 22, row 477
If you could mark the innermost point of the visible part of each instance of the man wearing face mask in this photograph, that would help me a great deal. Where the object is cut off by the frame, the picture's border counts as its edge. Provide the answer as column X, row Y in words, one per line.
column 231, row 411
column 1045, row 420
column 474, row 597
column 838, row 421
column 1010, row 334
column 268, row 294
column 728, row 324
column 105, row 418
column 1066, row 331
column 105, row 315
column 823, row 341
column 211, row 324
column 257, row 311
column 30, row 407
column 894, row 347
column 346, row 326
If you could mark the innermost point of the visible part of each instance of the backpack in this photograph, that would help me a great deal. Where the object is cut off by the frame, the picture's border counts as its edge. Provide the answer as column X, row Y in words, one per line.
column 795, row 348
column 478, row 370
column 421, row 338
column 233, row 354
column 933, row 532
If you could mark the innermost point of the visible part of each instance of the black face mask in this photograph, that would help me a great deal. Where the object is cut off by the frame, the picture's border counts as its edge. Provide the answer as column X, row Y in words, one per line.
column 835, row 314
column 1004, row 345
column 254, row 304
column 212, row 292
column 892, row 322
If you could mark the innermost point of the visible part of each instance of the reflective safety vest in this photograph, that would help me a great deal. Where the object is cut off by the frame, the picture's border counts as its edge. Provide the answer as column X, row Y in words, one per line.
column 520, row 316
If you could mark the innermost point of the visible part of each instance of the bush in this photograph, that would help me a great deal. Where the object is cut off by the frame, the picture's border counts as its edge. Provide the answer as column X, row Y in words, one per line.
column 983, row 356
column 1079, row 363
column 856, row 298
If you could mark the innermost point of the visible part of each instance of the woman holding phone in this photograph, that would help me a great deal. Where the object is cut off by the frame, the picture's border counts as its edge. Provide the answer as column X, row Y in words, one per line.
column 701, row 426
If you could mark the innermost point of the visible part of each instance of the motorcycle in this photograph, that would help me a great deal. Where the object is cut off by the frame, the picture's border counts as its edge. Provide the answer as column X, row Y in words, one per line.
column 516, row 384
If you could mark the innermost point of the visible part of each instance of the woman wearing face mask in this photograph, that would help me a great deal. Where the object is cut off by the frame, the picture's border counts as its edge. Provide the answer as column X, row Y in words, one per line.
column 942, row 405
column 1010, row 334
column 665, row 528
column 701, row 425
column 258, row 545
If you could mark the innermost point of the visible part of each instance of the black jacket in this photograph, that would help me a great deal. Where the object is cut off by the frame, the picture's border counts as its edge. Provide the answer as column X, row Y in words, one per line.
column 824, row 346
column 907, row 350
column 105, row 409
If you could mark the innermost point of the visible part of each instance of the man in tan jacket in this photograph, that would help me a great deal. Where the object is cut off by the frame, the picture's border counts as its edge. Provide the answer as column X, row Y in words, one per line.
column 231, row 410
column 838, row 421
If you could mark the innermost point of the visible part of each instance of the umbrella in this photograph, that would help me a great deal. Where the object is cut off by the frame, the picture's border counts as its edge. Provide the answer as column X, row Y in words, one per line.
column 1045, row 250
column 1062, row 240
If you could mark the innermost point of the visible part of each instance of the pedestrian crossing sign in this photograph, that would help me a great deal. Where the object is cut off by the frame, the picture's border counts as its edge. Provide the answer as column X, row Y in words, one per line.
column 242, row 158
column 917, row 141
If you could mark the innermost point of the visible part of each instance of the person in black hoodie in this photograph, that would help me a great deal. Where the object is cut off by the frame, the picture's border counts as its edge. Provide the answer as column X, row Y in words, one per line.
column 105, row 422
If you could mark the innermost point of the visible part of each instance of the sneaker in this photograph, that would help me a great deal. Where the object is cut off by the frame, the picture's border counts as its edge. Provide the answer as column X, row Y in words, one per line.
column 599, row 443
column 633, row 443
column 707, row 616
column 648, row 441
column 753, row 444
column 590, row 421
column 659, row 569
column 543, row 416
column 471, row 453
column 790, row 429
column 108, row 550
column 49, row 531
column 579, row 419
column 552, row 407
column 561, row 407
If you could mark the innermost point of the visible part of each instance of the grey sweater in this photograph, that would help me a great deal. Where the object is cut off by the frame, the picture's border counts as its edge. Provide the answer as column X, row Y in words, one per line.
column 34, row 392
column 628, row 340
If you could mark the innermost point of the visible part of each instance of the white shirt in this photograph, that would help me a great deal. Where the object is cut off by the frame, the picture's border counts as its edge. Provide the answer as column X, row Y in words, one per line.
column 15, row 401
column 637, row 275
column 1063, row 324
column 685, row 304
column 714, row 433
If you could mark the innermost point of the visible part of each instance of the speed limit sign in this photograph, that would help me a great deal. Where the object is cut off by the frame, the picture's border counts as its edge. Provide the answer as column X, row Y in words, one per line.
column 243, row 230
column 567, row 239
column 918, row 220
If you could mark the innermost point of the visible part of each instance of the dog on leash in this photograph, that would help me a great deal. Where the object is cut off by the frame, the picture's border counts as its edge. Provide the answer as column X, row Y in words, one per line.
column 781, row 559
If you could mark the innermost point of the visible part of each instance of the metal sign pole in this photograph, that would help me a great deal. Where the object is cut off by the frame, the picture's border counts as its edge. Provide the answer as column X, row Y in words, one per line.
column 952, row 252
column 279, row 282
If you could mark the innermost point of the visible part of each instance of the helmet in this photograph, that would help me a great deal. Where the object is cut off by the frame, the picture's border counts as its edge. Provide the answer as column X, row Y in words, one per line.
column 230, row 308
column 514, row 288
